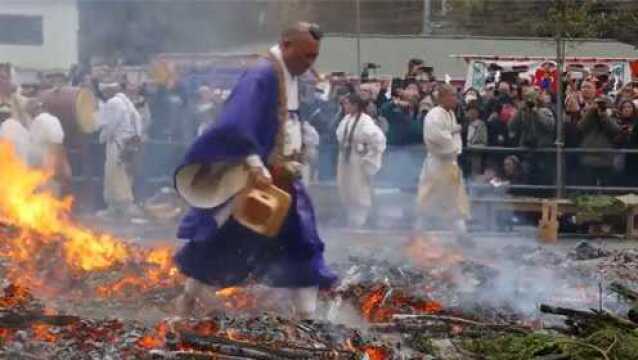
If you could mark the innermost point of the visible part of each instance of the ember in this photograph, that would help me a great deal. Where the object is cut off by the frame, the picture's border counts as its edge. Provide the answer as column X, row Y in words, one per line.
column 156, row 338
column 235, row 298
column 376, row 352
column 380, row 304
column 41, row 332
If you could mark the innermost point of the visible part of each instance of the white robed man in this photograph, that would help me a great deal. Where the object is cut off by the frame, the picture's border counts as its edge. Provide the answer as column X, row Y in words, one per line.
column 14, row 132
column 361, row 147
column 46, row 147
column 121, row 132
column 441, row 188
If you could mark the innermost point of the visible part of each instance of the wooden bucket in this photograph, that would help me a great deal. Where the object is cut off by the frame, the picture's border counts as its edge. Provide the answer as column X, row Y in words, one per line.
column 262, row 210
column 75, row 106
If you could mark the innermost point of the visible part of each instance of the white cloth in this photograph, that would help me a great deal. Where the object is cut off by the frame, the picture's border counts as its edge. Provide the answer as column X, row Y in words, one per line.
column 441, row 187
column 355, row 173
column 439, row 133
column 45, row 130
column 121, row 122
column 118, row 183
column 13, row 132
column 292, row 83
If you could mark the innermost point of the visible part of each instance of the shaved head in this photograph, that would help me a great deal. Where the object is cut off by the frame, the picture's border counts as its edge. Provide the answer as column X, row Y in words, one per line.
column 300, row 47
column 447, row 96
column 301, row 29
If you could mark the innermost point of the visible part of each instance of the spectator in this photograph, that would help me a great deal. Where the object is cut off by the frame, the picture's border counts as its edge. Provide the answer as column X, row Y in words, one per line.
column 599, row 129
column 496, row 128
column 476, row 137
column 578, row 103
column 534, row 127
column 626, row 93
column 476, row 128
column 405, row 127
column 504, row 91
column 627, row 116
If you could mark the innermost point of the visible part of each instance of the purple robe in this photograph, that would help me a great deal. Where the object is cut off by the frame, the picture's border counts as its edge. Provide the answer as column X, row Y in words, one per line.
column 232, row 255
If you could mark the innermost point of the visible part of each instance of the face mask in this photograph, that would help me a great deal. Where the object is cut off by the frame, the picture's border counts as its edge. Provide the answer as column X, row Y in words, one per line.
column 470, row 97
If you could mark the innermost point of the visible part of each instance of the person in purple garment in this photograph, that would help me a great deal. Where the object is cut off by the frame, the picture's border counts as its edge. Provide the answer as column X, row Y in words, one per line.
column 257, row 140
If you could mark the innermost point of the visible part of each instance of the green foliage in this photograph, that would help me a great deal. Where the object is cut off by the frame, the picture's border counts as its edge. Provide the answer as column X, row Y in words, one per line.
column 422, row 344
column 593, row 208
column 513, row 346
column 604, row 343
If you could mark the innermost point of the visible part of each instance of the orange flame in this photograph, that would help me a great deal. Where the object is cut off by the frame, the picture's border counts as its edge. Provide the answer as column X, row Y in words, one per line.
column 25, row 205
column 45, row 228
column 42, row 333
column 156, row 338
column 235, row 298
column 382, row 303
column 376, row 352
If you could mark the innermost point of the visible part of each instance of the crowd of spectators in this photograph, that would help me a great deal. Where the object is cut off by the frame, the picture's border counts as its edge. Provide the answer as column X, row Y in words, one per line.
column 516, row 112
column 512, row 111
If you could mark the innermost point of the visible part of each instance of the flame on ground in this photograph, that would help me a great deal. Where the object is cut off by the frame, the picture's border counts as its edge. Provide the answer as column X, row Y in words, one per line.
column 156, row 338
column 376, row 352
column 42, row 333
column 382, row 302
column 236, row 298
column 45, row 238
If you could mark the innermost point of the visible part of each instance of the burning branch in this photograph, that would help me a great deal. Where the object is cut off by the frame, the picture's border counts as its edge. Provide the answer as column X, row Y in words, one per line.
column 259, row 352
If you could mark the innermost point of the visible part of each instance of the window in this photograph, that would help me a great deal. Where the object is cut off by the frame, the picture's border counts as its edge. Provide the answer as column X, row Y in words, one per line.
column 21, row 30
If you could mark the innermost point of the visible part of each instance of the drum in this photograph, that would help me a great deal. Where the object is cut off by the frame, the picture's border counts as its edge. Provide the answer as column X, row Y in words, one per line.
column 75, row 106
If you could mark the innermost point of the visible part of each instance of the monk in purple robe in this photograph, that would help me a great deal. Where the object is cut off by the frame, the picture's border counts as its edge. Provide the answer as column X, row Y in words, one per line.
column 257, row 140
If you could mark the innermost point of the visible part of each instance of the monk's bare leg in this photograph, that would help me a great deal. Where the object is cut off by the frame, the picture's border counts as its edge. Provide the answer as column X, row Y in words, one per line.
column 305, row 302
column 186, row 302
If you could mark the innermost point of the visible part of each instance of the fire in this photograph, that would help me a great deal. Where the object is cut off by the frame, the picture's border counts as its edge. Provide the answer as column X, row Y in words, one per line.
column 26, row 204
column 382, row 303
column 236, row 298
column 5, row 334
column 14, row 295
column 44, row 244
column 42, row 333
column 206, row 328
column 156, row 338
column 376, row 352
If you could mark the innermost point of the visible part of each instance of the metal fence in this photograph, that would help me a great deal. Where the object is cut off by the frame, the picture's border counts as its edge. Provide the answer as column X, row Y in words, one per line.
column 400, row 171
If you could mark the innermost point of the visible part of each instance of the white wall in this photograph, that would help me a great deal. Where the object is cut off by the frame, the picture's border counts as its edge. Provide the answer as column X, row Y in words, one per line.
column 338, row 52
column 60, row 27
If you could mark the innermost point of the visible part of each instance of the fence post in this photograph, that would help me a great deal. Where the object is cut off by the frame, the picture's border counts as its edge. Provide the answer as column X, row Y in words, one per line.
column 560, row 54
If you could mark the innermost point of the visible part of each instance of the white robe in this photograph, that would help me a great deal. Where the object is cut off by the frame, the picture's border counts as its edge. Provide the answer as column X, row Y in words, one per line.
column 355, row 174
column 441, row 188
column 121, row 122
column 13, row 132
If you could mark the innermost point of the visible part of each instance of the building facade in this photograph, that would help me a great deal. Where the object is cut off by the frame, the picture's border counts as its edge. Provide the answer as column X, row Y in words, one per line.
column 39, row 34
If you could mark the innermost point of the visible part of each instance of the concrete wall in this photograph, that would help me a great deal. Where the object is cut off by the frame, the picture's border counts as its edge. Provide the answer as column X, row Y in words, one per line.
column 338, row 52
column 60, row 26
